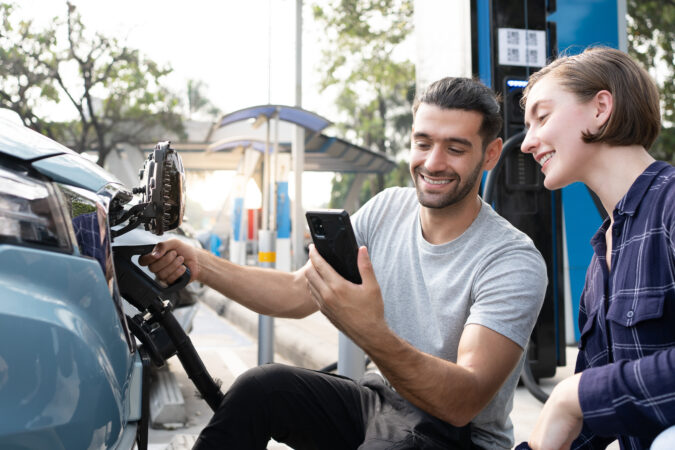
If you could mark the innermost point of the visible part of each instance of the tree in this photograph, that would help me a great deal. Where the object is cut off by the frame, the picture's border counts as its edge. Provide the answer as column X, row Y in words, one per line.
column 25, row 78
column 114, row 91
column 651, row 39
column 197, row 100
column 375, row 89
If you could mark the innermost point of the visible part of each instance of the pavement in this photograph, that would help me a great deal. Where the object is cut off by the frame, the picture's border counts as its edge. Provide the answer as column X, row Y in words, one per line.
column 312, row 342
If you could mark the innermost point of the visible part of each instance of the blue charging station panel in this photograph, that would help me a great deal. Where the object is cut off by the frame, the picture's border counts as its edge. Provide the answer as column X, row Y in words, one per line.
column 576, row 24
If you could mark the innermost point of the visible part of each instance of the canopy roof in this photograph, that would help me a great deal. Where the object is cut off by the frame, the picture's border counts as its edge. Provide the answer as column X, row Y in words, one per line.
column 322, row 154
column 292, row 114
column 239, row 130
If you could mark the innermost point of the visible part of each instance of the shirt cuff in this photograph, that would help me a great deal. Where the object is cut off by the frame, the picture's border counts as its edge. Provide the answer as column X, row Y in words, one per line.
column 596, row 401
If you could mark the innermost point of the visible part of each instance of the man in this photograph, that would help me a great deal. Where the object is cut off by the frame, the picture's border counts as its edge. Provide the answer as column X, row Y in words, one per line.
column 449, row 297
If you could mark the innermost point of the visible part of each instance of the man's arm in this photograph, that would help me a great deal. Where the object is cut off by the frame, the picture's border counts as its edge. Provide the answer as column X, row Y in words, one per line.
column 455, row 393
column 265, row 291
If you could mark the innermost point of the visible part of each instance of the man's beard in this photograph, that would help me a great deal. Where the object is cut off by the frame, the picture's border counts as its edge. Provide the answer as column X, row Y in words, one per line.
column 460, row 191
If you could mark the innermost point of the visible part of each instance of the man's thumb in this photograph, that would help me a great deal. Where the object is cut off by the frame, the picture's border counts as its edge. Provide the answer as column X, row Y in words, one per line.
column 365, row 265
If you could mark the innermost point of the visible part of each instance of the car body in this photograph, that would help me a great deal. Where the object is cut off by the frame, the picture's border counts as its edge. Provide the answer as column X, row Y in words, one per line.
column 70, row 371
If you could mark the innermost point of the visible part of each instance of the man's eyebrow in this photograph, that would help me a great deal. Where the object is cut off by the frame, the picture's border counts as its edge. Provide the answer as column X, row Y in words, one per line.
column 452, row 139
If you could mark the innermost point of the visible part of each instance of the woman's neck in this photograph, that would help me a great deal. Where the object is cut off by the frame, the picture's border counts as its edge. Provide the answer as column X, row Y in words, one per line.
column 613, row 171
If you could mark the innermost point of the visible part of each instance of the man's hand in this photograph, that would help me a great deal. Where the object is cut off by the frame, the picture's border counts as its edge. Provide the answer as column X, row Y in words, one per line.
column 561, row 420
column 169, row 258
column 355, row 309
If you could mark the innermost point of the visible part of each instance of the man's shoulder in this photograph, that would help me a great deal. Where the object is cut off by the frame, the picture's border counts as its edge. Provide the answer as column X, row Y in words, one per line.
column 501, row 239
column 393, row 196
column 402, row 192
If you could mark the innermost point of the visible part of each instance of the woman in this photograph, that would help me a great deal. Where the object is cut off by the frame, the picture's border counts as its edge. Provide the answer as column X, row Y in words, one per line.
column 591, row 118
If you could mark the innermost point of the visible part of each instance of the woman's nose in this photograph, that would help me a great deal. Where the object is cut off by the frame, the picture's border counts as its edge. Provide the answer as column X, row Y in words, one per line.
column 529, row 143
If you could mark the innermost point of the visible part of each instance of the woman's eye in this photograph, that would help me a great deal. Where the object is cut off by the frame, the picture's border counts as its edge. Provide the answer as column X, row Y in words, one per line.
column 542, row 118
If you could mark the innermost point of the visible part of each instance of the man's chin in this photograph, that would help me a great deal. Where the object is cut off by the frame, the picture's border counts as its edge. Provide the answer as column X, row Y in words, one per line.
column 434, row 201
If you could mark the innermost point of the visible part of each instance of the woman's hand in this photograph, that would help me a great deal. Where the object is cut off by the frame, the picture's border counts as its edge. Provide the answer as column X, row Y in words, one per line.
column 561, row 420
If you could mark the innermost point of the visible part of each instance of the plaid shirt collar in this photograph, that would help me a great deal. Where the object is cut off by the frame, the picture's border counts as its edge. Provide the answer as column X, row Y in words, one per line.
column 629, row 203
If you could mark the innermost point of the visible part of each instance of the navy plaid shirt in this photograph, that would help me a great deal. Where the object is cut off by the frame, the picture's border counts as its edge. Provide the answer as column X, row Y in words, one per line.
column 627, row 320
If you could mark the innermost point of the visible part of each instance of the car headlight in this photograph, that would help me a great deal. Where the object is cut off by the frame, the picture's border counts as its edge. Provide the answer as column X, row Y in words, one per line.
column 30, row 213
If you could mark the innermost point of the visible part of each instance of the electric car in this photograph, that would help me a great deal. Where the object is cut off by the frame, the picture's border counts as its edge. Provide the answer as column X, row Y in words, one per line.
column 74, row 363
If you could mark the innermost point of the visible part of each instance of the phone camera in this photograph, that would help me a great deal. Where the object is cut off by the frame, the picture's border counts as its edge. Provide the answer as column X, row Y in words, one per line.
column 318, row 226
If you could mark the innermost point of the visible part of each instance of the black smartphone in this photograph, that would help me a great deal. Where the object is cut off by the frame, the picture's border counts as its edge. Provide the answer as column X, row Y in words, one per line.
column 333, row 237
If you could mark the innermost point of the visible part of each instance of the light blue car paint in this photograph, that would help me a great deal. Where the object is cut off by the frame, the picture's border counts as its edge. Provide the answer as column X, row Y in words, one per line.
column 23, row 143
column 76, row 171
column 67, row 365
column 69, row 379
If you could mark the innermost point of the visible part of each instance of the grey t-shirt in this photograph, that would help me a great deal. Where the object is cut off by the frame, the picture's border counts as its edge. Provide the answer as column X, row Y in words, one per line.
column 491, row 275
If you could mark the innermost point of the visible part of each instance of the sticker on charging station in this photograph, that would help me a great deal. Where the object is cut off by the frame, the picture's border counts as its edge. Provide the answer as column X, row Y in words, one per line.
column 519, row 47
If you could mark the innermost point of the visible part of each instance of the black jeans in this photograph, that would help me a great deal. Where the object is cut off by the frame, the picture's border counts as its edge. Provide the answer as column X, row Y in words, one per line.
column 306, row 409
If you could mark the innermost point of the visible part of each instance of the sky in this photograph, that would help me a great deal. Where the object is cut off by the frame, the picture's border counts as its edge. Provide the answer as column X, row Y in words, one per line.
column 232, row 45
column 242, row 56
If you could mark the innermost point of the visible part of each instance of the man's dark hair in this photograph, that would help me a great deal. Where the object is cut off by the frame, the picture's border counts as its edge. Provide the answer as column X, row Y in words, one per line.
column 468, row 95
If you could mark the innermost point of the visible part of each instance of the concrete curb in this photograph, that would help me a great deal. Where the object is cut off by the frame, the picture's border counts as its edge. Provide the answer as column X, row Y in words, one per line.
column 311, row 342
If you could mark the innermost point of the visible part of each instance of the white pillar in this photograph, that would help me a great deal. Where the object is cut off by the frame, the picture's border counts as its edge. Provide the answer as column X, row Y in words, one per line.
column 298, row 151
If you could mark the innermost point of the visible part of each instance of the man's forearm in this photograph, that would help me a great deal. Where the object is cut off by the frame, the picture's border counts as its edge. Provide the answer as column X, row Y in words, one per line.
column 265, row 291
column 439, row 387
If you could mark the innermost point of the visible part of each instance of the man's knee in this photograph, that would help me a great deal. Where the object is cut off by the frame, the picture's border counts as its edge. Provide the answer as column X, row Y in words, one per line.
column 261, row 380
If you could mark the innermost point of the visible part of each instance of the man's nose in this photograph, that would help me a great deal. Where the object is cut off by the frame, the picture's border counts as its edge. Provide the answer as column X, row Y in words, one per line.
column 436, row 159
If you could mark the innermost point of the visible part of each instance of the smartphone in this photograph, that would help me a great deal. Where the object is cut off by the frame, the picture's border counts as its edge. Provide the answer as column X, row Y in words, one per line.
column 333, row 237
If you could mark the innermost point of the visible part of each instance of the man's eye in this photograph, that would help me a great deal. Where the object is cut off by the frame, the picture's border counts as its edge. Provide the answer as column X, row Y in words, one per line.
column 421, row 145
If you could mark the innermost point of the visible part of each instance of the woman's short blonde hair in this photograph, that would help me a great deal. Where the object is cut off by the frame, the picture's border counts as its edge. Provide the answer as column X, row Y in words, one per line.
column 636, row 114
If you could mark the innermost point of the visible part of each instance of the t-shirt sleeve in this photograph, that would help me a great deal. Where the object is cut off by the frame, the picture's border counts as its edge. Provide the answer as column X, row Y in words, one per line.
column 362, row 219
column 509, row 291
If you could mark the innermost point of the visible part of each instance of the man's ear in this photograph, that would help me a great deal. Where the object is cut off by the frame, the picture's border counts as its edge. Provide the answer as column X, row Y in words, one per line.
column 603, row 103
column 492, row 153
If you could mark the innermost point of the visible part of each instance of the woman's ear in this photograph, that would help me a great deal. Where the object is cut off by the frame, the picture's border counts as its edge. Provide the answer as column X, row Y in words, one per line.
column 603, row 103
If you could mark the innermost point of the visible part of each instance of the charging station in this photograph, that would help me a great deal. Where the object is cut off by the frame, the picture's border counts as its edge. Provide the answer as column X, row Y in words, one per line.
column 519, row 42
column 510, row 40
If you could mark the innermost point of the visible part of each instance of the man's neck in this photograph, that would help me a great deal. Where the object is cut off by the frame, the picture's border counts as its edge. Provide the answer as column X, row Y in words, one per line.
column 446, row 224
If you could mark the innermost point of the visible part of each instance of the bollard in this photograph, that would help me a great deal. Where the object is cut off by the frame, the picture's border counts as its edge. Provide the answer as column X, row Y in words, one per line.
column 266, row 258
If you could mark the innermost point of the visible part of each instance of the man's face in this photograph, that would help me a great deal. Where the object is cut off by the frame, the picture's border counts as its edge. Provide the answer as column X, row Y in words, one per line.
column 446, row 158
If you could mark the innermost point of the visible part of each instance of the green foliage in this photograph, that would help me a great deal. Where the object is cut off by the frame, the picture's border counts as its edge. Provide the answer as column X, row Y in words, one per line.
column 651, row 40
column 339, row 188
column 375, row 89
column 197, row 100
column 25, row 77
column 117, row 95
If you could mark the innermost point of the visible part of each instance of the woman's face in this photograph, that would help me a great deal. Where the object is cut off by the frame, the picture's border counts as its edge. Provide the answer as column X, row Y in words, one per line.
column 555, row 120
